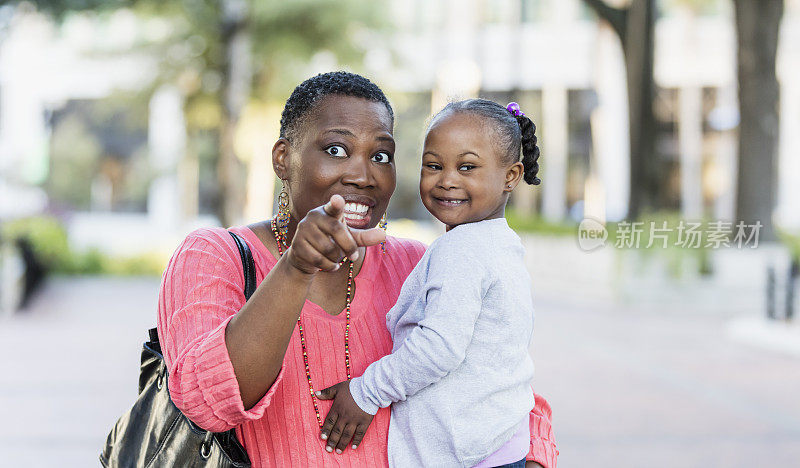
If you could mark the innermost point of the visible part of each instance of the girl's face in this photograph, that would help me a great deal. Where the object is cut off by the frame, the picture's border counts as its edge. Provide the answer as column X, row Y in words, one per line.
column 344, row 147
column 464, row 178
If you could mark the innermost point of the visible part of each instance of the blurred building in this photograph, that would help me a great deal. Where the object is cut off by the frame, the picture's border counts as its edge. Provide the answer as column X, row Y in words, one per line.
column 566, row 70
column 58, row 85
column 552, row 56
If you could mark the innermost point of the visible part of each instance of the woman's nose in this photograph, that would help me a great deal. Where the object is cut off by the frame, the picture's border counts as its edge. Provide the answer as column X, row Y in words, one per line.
column 359, row 173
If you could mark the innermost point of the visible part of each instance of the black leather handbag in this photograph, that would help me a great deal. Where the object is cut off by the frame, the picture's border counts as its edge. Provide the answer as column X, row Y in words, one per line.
column 154, row 433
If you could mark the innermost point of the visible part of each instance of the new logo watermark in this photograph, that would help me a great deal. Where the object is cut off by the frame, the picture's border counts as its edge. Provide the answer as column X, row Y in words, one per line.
column 592, row 234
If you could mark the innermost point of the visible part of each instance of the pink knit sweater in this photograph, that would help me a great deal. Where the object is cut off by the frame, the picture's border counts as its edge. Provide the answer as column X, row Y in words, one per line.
column 202, row 289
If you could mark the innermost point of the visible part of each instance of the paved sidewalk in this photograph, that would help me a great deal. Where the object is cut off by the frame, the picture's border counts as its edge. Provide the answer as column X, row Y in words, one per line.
column 660, row 386
column 70, row 368
column 646, row 386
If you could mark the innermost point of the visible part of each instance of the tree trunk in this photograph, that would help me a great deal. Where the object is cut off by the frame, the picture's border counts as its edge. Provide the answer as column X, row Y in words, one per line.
column 638, row 47
column 635, row 26
column 235, row 90
column 757, row 28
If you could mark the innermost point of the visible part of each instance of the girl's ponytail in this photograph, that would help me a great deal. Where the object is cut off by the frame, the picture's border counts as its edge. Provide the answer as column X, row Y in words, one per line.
column 530, row 152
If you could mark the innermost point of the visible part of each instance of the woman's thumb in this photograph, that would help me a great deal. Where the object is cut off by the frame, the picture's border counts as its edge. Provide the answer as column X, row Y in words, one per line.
column 327, row 394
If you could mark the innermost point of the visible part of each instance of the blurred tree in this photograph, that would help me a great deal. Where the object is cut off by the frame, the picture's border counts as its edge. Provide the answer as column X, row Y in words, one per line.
column 257, row 44
column 74, row 155
column 757, row 29
column 635, row 26
column 221, row 52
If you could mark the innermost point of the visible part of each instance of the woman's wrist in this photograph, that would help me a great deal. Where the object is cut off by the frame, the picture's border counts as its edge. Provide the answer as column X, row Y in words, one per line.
column 293, row 271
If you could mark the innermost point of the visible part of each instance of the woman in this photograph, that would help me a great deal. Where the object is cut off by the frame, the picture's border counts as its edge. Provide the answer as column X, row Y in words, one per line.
column 326, row 279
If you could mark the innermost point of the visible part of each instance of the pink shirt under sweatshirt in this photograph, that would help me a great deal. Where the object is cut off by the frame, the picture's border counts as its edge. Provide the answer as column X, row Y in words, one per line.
column 202, row 289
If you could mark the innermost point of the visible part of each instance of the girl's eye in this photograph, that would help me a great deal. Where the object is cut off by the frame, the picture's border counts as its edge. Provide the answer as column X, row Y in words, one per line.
column 432, row 166
column 382, row 158
column 336, row 150
column 466, row 167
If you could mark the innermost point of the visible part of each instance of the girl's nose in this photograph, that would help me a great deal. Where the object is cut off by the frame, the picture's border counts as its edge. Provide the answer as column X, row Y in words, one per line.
column 447, row 180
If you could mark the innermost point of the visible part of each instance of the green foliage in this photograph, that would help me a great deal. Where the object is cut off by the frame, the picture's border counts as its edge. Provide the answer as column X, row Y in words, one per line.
column 283, row 36
column 49, row 241
column 537, row 225
column 698, row 7
column 47, row 236
column 60, row 8
column 74, row 155
column 792, row 241
column 100, row 137
column 676, row 257
column 675, row 254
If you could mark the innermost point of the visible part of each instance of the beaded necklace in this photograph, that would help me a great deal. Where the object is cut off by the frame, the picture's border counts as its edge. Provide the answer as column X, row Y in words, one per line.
column 282, row 244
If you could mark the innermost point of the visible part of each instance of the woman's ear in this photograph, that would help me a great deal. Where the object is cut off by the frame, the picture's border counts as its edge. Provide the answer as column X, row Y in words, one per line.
column 280, row 158
column 514, row 174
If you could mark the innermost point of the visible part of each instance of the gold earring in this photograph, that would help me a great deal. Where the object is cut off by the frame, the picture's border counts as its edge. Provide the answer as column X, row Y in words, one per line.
column 283, row 217
column 382, row 224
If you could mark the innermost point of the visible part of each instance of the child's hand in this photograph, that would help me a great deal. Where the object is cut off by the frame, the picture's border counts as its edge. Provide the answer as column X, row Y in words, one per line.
column 345, row 420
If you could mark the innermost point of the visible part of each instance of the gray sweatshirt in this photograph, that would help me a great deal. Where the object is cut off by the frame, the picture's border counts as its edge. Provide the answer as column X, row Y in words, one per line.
column 458, row 378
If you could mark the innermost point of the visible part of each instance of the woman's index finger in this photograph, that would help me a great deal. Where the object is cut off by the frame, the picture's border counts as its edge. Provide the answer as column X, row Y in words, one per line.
column 335, row 207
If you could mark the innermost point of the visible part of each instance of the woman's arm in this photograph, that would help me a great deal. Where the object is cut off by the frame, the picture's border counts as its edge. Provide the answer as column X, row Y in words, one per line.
column 257, row 337
column 543, row 450
column 199, row 296
column 224, row 354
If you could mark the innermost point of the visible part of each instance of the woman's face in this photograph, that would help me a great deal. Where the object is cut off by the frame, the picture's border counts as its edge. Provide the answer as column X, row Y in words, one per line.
column 345, row 146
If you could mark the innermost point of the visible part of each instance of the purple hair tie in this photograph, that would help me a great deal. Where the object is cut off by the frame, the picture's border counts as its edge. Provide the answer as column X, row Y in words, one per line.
column 513, row 107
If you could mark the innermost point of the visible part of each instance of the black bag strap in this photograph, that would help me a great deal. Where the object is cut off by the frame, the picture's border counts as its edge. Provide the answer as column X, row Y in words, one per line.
column 248, row 265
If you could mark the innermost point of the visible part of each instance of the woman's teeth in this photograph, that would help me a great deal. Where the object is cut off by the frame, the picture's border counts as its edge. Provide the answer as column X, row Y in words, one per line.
column 355, row 210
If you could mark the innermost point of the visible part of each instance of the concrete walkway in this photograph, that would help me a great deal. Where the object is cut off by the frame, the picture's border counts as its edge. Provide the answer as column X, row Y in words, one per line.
column 70, row 368
column 630, row 386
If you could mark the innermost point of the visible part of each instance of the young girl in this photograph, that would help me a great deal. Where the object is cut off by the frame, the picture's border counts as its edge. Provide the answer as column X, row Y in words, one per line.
column 458, row 378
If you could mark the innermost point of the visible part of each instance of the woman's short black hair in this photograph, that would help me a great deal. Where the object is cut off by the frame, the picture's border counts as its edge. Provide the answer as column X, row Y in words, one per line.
column 308, row 93
column 515, row 132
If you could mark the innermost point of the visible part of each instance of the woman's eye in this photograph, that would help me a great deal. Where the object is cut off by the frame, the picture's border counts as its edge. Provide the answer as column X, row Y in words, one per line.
column 466, row 167
column 336, row 150
column 382, row 157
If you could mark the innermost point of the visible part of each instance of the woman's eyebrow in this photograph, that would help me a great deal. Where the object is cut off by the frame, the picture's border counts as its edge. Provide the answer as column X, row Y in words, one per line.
column 348, row 133
column 340, row 131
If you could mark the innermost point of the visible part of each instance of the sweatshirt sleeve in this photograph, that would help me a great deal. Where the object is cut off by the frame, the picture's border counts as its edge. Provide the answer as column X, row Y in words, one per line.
column 543, row 448
column 201, row 290
column 453, row 291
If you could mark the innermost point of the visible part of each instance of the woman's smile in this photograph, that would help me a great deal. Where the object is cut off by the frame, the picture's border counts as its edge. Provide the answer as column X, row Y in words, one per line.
column 358, row 210
column 357, row 215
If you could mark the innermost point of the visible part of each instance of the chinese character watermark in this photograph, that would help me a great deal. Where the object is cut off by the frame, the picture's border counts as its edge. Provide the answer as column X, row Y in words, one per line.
column 592, row 234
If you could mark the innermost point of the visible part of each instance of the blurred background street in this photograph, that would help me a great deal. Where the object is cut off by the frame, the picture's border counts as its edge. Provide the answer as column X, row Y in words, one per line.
column 663, row 242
